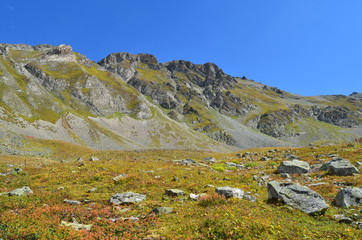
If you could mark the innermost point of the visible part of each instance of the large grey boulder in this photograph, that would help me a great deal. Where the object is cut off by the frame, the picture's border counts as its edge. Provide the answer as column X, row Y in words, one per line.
column 297, row 196
column 294, row 166
column 230, row 192
column 339, row 167
column 20, row 191
column 127, row 198
column 347, row 197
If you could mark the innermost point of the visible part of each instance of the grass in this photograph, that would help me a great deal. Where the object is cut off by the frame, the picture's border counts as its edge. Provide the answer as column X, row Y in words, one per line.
column 150, row 172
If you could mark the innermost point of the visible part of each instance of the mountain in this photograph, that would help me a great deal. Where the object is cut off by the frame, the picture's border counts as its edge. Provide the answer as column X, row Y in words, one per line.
column 129, row 102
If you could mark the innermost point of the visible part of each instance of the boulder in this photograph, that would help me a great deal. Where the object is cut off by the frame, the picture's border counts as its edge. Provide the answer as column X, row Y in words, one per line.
column 174, row 192
column 347, row 197
column 127, row 198
column 230, row 192
column 339, row 167
column 297, row 196
column 162, row 210
column 20, row 191
column 294, row 166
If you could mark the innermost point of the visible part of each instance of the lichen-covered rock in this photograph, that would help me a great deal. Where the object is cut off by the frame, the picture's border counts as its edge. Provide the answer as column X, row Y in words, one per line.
column 348, row 197
column 77, row 226
column 294, row 166
column 230, row 192
column 127, row 198
column 297, row 196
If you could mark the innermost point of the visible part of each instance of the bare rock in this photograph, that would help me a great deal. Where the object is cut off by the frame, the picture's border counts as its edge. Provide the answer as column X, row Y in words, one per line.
column 127, row 198
column 347, row 197
column 294, row 166
column 230, row 192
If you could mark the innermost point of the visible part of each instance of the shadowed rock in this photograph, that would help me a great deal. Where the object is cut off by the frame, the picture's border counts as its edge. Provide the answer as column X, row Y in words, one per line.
column 339, row 167
column 348, row 197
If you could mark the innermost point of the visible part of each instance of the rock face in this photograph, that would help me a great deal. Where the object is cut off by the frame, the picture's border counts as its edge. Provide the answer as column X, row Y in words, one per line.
column 230, row 192
column 294, row 166
column 339, row 167
column 127, row 198
column 348, row 197
column 297, row 196
column 20, row 191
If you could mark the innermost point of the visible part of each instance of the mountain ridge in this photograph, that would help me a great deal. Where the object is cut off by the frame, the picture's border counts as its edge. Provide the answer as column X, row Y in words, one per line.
column 61, row 94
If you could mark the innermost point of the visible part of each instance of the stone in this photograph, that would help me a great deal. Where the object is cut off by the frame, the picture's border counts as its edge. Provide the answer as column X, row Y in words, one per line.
column 162, row 210
column 291, row 156
column 284, row 175
column 20, row 192
column 174, row 192
column 196, row 197
column 294, row 166
column 119, row 177
column 210, row 160
column 343, row 218
column 92, row 190
column 340, row 167
column 297, row 196
column 92, row 159
column 71, row 202
column 77, row 226
column 230, row 192
column 231, row 164
column 347, row 197
column 264, row 159
column 187, row 161
column 127, row 198
column 249, row 198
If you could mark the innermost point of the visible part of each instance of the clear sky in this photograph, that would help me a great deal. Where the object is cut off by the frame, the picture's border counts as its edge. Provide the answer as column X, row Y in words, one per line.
column 308, row 47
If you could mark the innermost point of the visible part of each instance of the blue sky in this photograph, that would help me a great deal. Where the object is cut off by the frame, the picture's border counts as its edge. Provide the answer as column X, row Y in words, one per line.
column 309, row 47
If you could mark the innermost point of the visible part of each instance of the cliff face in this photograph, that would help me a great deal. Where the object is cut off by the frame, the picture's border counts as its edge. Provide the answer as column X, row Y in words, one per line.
column 129, row 101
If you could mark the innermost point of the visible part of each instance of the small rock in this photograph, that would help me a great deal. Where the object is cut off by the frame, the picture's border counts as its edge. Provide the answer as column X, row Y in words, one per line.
column 343, row 219
column 265, row 159
column 210, row 160
column 175, row 179
column 127, row 198
column 347, row 197
column 92, row 190
column 230, row 192
column 291, row 157
column 284, row 175
column 20, row 192
column 162, row 210
column 77, row 226
column 174, row 192
column 119, row 177
column 72, row 202
column 92, row 159
column 249, row 198
column 80, row 159
column 187, row 161
column 17, row 170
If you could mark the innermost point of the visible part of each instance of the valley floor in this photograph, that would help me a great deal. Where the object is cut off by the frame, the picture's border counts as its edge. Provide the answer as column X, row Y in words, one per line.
column 71, row 193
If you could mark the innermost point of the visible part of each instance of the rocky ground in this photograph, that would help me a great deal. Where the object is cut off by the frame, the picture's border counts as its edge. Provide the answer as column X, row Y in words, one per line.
column 262, row 193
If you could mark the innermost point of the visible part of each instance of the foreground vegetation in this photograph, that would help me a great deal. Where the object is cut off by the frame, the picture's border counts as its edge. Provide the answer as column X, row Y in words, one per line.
column 61, row 176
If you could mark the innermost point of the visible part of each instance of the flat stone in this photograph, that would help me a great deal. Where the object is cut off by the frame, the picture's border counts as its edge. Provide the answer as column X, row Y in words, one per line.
column 127, row 198
column 297, row 196
column 230, row 192
column 72, row 202
column 119, row 177
column 77, row 226
column 294, row 166
column 347, row 197
column 20, row 192
column 174, row 192
column 162, row 210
